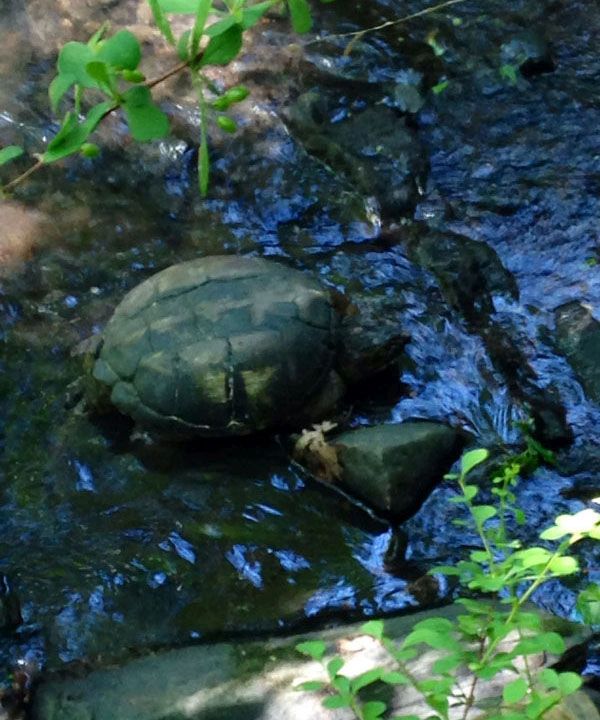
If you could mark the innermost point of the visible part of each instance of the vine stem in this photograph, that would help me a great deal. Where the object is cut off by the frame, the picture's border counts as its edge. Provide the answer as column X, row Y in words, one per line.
column 389, row 23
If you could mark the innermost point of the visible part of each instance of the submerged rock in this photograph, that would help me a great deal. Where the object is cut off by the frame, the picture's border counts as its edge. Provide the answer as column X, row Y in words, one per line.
column 373, row 148
column 578, row 338
column 390, row 468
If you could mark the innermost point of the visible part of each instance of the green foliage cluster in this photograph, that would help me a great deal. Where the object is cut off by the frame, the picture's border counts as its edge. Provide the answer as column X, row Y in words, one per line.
column 101, row 76
column 498, row 579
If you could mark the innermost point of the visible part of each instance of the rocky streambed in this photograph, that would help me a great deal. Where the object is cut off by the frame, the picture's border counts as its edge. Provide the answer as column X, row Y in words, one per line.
column 420, row 174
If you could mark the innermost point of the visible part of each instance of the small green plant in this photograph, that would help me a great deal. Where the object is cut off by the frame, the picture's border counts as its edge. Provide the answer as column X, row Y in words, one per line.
column 497, row 632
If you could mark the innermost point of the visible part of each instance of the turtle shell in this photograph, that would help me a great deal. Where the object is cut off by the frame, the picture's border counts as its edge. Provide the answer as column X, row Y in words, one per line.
column 219, row 346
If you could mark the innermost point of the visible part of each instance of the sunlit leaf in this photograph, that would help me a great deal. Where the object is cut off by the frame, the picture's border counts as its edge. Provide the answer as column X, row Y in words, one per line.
column 182, row 7
column 313, row 648
column 161, row 21
column 311, row 686
column 374, row 628
column 60, row 85
column 251, row 15
column 72, row 61
column 73, row 135
column 569, row 682
column 337, row 701
column 121, row 51
column 300, row 14
column 514, row 691
column 334, row 666
column 10, row 152
column 366, row 678
column 471, row 459
column 223, row 48
column 373, row 710
column 145, row 119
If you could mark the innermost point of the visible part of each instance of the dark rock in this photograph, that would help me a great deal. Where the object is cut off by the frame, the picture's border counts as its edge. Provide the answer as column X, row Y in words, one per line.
column 393, row 468
column 578, row 338
column 374, row 148
column 469, row 272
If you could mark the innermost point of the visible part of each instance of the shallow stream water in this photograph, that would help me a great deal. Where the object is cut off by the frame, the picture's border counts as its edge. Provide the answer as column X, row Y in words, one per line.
column 113, row 545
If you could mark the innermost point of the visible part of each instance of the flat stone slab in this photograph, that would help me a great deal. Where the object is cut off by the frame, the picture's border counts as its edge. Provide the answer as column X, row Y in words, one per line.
column 244, row 680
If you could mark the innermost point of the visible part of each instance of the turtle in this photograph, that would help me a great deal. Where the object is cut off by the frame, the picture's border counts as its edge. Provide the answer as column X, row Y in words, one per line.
column 231, row 345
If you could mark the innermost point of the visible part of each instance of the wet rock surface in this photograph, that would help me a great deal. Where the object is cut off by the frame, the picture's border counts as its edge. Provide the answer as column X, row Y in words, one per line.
column 252, row 680
column 578, row 337
column 113, row 544
column 394, row 468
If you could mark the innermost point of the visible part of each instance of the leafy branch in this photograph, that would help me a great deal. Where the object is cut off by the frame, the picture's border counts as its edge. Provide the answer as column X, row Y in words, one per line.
column 487, row 639
column 107, row 69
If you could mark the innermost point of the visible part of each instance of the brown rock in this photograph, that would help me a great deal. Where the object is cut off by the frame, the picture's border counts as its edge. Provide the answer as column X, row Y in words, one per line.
column 21, row 230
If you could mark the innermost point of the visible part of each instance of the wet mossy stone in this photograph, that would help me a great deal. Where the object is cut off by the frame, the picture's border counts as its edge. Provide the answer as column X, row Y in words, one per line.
column 578, row 338
column 394, row 468
column 221, row 346
column 373, row 148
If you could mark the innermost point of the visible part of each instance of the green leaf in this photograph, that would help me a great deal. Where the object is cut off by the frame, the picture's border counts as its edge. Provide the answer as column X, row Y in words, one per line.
column 72, row 135
column 226, row 124
column 531, row 557
column 588, row 604
column 366, row 678
column 394, row 678
column 553, row 533
column 222, row 49
column 514, row 691
column 470, row 491
column 121, row 51
column 581, row 522
column 60, row 85
column 99, row 71
column 334, row 666
column 448, row 663
column 183, row 45
column 482, row 513
column 202, row 10
column 373, row 710
column 219, row 27
column 145, row 119
column 161, row 21
column 179, row 7
column 72, row 61
column 336, row 701
column 438, row 624
column 301, row 17
column 553, row 643
column 374, row 628
column 251, row 15
column 440, row 87
column 311, row 686
column 94, row 41
column 438, row 641
column 10, row 152
column 549, row 678
column 471, row 459
column 203, row 163
column 564, row 565
column 342, row 684
column 569, row 682
column 313, row 648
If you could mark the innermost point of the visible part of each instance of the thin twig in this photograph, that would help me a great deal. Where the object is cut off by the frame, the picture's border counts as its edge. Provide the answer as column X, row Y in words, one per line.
column 388, row 23
column 23, row 176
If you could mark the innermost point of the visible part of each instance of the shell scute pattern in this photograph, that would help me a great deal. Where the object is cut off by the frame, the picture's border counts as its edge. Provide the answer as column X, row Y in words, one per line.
column 221, row 345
